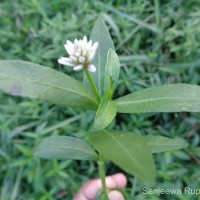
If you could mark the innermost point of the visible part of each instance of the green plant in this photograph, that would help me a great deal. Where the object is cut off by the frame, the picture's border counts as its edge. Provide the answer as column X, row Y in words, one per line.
column 130, row 151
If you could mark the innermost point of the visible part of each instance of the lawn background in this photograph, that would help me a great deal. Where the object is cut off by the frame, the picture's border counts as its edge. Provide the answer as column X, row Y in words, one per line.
column 158, row 43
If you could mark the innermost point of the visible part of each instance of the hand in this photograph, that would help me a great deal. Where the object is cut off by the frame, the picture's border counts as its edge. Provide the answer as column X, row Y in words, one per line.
column 89, row 190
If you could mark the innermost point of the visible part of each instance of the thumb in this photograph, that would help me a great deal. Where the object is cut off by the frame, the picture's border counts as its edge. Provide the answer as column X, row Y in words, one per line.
column 115, row 195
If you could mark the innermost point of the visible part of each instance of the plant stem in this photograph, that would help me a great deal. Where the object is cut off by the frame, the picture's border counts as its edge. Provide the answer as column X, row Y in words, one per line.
column 102, row 176
column 90, row 79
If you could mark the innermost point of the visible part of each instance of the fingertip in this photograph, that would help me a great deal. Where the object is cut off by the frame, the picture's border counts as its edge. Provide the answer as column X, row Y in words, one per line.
column 120, row 179
column 116, row 181
column 89, row 190
column 115, row 195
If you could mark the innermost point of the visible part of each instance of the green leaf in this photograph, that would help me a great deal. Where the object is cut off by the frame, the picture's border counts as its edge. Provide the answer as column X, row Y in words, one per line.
column 127, row 150
column 159, row 143
column 105, row 114
column 20, row 78
column 166, row 98
column 111, row 74
column 63, row 148
column 101, row 35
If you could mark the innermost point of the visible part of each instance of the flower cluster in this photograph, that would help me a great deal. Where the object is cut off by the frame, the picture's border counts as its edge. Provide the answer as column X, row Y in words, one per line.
column 81, row 53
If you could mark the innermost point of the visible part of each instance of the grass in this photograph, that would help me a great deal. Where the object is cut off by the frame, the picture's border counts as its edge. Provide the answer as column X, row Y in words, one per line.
column 158, row 42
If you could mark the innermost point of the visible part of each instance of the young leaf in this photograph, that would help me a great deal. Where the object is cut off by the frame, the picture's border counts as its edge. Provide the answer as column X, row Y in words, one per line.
column 20, row 78
column 166, row 98
column 127, row 150
column 101, row 35
column 159, row 143
column 111, row 74
column 105, row 114
column 63, row 147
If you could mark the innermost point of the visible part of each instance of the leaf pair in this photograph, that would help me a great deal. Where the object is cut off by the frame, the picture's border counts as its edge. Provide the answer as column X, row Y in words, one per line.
column 131, row 152
column 20, row 78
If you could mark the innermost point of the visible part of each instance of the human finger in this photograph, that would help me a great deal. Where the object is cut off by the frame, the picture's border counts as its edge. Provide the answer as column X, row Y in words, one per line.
column 90, row 189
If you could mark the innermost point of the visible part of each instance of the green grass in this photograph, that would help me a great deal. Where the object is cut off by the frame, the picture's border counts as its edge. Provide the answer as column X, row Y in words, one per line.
column 158, row 42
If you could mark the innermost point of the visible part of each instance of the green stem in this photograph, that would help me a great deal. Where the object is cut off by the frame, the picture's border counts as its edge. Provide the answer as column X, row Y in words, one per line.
column 102, row 176
column 90, row 79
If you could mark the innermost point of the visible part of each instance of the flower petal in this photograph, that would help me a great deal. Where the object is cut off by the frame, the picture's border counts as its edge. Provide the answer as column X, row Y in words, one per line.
column 81, row 59
column 84, row 53
column 89, row 44
column 76, row 42
column 69, row 43
column 94, row 46
column 78, row 68
column 73, row 59
column 84, row 40
column 91, row 68
column 77, row 54
column 91, row 55
column 69, row 49
column 65, row 61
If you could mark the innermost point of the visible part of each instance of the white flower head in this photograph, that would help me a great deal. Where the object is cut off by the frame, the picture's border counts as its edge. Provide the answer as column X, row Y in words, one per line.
column 81, row 53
